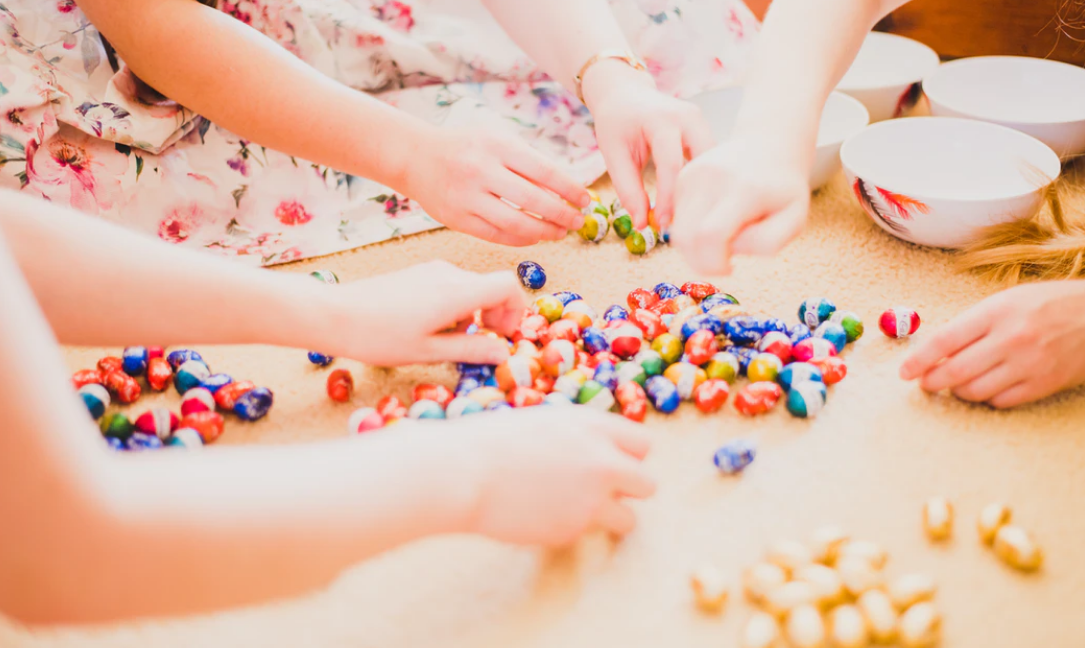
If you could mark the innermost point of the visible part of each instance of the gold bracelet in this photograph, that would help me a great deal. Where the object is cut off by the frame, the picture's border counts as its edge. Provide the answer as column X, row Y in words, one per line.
column 626, row 56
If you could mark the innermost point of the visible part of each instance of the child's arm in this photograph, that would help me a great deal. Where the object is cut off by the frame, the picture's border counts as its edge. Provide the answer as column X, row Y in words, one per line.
column 751, row 194
column 632, row 120
column 91, row 535
column 243, row 81
column 102, row 285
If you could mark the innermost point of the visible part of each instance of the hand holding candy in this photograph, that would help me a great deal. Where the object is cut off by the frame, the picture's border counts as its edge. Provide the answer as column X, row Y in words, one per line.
column 407, row 316
column 739, row 198
column 632, row 121
column 1015, row 347
column 464, row 175
column 549, row 474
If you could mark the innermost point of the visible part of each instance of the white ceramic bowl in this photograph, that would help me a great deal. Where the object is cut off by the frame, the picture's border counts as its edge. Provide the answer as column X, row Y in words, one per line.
column 939, row 180
column 887, row 74
column 1045, row 99
column 842, row 118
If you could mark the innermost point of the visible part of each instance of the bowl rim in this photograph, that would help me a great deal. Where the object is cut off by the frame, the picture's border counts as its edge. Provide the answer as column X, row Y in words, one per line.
column 970, row 60
column 899, row 123
column 882, row 85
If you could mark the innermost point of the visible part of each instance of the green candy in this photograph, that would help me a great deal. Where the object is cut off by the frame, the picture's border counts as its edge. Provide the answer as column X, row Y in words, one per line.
column 327, row 276
column 595, row 228
column 632, row 371
column 623, row 224
column 851, row 323
column 595, row 395
column 641, row 241
column 669, row 348
column 650, row 361
column 601, row 209
column 723, row 366
column 116, row 425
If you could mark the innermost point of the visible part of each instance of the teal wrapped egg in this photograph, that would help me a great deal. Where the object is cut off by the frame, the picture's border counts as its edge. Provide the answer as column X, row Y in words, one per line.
column 462, row 406
column 185, row 438
column 797, row 373
column 96, row 398
column 834, row 333
column 816, row 310
column 805, row 400
column 426, row 409
column 190, row 375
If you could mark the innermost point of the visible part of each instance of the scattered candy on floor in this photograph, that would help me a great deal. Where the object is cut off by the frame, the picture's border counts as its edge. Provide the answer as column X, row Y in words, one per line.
column 899, row 322
column 531, row 275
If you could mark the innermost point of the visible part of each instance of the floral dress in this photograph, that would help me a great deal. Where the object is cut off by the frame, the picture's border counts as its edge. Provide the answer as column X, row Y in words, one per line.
column 79, row 129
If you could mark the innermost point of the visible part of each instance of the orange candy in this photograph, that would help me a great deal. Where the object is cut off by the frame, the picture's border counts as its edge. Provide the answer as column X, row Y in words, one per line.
column 123, row 386
column 525, row 397
column 517, row 371
column 758, row 398
column 110, row 364
column 650, row 323
column 159, row 373
column 437, row 393
column 833, row 369
column 227, row 396
column 340, row 386
column 391, row 408
column 698, row 290
column 208, row 424
column 86, row 377
column 710, row 395
column 700, row 347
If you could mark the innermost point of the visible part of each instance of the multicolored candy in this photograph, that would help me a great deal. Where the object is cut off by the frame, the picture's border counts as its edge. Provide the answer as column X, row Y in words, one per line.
column 813, row 349
column 186, row 438
column 158, row 421
column 834, row 333
column 96, row 398
column 797, row 373
column 764, row 368
column 595, row 394
column 815, row 310
column 806, row 399
column 595, row 228
column 190, row 375
column 426, row 409
column 899, row 322
column 197, row 400
column 686, row 377
column 852, row 324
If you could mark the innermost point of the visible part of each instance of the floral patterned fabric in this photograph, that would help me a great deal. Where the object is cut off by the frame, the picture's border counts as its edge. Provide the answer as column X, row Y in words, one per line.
column 77, row 128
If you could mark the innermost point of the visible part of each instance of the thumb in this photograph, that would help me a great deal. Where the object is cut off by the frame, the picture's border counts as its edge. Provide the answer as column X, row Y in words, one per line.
column 770, row 235
column 709, row 244
column 474, row 292
column 460, row 347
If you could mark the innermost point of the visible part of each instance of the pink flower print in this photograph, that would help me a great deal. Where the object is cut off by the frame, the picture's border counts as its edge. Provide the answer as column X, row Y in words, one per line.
column 290, row 254
column 76, row 170
column 364, row 40
column 237, row 163
column 180, row 222
column 66, row 6
column 133, row 88
column 292, row 212
column 18, row 120
column 240, row 10
column 104, row 117
column 393, row 203
column 396, row 14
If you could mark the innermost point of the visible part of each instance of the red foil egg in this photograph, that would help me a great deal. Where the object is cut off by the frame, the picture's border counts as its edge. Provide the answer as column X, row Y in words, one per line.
column 391, row 408
column 757, row 398
column 778, row 344
column 159, row 374
column 710, row 395
column 700, row 347
column 209, row 424
column 698, row 290
column 635, row 410
column 110, row 364
column 437, row 393
column 563, row 329
column 155, row 352
column 641, row 298
column 85, row 377
column 123, row 387
column 227, row 396
column 833, row 369
column 651, row 324
column 340, row 386
column 531, row 328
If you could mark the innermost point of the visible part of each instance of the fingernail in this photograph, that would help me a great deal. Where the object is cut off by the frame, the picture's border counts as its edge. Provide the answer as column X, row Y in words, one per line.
column 585, row 200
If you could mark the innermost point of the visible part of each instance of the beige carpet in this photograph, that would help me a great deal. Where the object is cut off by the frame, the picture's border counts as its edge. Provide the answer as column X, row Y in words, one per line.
column 877, row 452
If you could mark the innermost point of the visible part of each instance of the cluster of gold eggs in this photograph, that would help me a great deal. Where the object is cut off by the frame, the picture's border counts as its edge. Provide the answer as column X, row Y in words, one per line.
column 1012, row 544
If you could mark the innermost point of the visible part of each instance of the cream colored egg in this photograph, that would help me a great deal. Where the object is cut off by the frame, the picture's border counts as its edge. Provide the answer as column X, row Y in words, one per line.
column 1017, row 548
column 870, row 551
column 938, row 518
column 905, row 591
column 880, row 615
column 920, row 626
column 710, row 589
column 762, row 578
column 991, row 519
column 805, row 627
column 789, row 555
column 858, row 575
column 789, row 596
column 761, row 631
column 825, row 543
column 848, row 628
column 826, row 581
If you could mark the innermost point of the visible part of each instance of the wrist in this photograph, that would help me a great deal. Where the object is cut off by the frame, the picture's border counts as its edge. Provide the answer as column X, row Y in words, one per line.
column 610, row 78
column 297, row 311
column 417, row 143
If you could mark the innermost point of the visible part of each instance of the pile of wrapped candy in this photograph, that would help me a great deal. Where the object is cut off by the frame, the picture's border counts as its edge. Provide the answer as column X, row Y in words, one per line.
column 202, row 393
column 599, row 219
column 666, row 345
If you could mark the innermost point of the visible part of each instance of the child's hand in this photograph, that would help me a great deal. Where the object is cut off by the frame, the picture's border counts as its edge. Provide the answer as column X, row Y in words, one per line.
column 1018, row 346
column 406, row 317
column 633, row 121
column 461, row 177
column 548, row 474
column 739, row 198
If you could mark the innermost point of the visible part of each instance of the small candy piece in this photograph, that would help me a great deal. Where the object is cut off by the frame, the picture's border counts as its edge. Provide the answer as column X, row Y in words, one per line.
column 991, row 519
column 623, row 223
column 85, row 377
column 773, row 325
column 686, row 377
column 632, row 401
column 158, row 421
column 606, row 374
column 761, row 579
column 905, row 591
column 325, row 276
column 426, row 409
column 858, row 575
column 319, row 359
column 340, row 386
column 190, row 375
column 526, row 349
column 226, row 398
column 558, row 357
column 209, row 424
column 723, row 366
column 743, row 330
column 899, row 322
column 682, row 302
column 254, row 404
column 664, row 307
column 816, row 310
column 594, row 340
column 869, row 551
column 733, row 457
column 757, row 398
column 812, row 349
column 797, row 373
column 938, row 518
column 825, row 581
column 702, row 322
column 557, row 399
column 197, row 400
column 789, row 555
column 920, row 626
column 805, row 627
column 833, row 333
column 847, row 627
column 367, row 419
column 1015, row 547
column 710, row 589
column 663, row 394
column 134, row 360
column 700, row 290
column 825, row 543
column 787, row 597
column 667, row 290
column 777, row 344
column 215, row 382
column 595, row 228
column 630, row 371
column 566, row 296
column 596, row 395
column 109, row 364
column 391, row 408
column 650, row 324
column 116, row 425
column 880, row 615
column 443, row 395
column 544, row 383
column 155, row 352
column 641, row 241
column 531, row 275
column 641, row 298
column 567, row 328
column 806, row 399
column 461, row 406
column 833, row 369
column 761, row 631
column 616, row 312
column 159, row 374
column 715, row 300
column 710, row 396
column 581, row 307
column 765, row 367
column 181, row 356
column 668, row 347
column 517, row 371
column 625, row 339
column 851, row 323
column 651, row 361
column 549, row 307
column 483, row 396
column 701, row 346
column 140, row 442
column 526, row 397
column 96, row 398
column 186, row 438
column 123, row 387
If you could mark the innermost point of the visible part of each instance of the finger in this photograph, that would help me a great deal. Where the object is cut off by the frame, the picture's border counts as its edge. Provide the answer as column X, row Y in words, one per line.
column 946, row 341
column 481, row 229
column 698, row 136
column 616, row 518
column 517, row 223
column 498, row 291
column 709, row 243
column 965, row 366
column 531, row 198
column 628, row 437
column 1019, row 394
column 536, row 167
column 768, row 236
column 625, row 175
column 631, row 480
column 989, row 384
column 669, row 158
column 473, row 349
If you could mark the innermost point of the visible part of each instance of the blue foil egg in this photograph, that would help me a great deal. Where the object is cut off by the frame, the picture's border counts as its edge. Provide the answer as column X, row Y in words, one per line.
column 606, row 374
column 96, row 398
column 797, row 373
column 806, row 400
column 798, row 333
column 773, row 324
column 190, row 375
column 467, row 385
column 703, row 322
column 139, row 442
column 663, row 394
column 319, row 359
column 477, row 371
column 255, row 404
column 744, row 330
column 134, row 360
column 816, row 310
column 216, row 382
column 115, row 443
column 594, row 340
column 615, row 312
column 667, row 290
column 531, row 275
column 566, row 296
column 497, row 405
column 834, row 333
column 717, row 299
column 735, row 456
column 181, row 356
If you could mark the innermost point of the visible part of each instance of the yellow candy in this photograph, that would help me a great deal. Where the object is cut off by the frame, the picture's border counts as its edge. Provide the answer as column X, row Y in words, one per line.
column 905, row 591
column 805, row 627
column 991, row 518
column 686, row 377
column 920, row 626
column 761, row 631
column 549, row 307
column 709, row 588
column 938, row 518
column 880, row 615
column 761, row 579
column 848, row 628
column 1017, row 548
column 826, row 543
